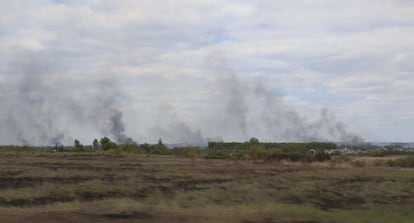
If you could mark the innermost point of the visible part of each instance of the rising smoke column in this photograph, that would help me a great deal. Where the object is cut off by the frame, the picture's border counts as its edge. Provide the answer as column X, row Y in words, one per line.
column 40, row 108
column 277, row 115
column 33, row 117
column 106, row 114
column 252, row 108
column 233, row 95
column 236, row 105
column 171, row 128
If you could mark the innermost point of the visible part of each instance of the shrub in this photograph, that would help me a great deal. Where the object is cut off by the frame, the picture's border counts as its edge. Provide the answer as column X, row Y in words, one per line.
column 130, row 148
column 338, row 160
column 402, row 162
column 258, row 152
column 217, row 154
column 107, row 144
column 188, row 152
column 358, row 163
column 379, row 162
column 320, row 156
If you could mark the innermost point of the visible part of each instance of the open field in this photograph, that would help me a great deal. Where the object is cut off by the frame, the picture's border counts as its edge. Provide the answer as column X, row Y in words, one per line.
column 95, row 187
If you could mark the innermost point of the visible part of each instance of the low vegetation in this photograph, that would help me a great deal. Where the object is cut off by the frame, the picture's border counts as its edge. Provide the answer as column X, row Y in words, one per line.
column 249, row 182
column 252, row 150
column 403, row 162
column 101, row 187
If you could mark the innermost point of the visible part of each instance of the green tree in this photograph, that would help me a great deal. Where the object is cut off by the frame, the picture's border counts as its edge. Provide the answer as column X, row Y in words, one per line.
column 258, row 152
column 95, row 144
column 253, row 141
column 107, row 144
column 160, row 148
column 78, row 145
column 160, row 142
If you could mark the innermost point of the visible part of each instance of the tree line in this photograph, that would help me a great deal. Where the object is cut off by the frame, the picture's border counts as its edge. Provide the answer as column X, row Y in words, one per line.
column 250, row 150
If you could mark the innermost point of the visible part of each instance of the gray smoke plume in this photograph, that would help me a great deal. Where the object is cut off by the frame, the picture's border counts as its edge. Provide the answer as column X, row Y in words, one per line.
column 106, row 114
column 40, row 108
column 172, row 129
column 33, row 112
column 118, row 129
column 236, row 106
column 280, row 118
column 233, row 95
column 257, row 110
column 41, row 105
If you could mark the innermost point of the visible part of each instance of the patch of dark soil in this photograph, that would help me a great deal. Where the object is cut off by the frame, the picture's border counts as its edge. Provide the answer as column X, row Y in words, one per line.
column 33, row 202
column 327, row 199
column 394, row 199
column 11, row 182
column 82, row 166
column 191, row 185
column 305, row 221
column 152, row 179
column 185, row 184
column 61, row 165
column 9, row 173
column 113, row 178
column 363, row 179
column 293, row 199
column 328, row 203
column 128, row 215
column 266, row 220
column 89, row 168
column 131, row 165
column 143, row 193
column 85, row 196
column 89, row 195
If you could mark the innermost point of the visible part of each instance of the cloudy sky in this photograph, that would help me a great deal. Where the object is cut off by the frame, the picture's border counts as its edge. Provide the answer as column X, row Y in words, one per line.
column 185, row 71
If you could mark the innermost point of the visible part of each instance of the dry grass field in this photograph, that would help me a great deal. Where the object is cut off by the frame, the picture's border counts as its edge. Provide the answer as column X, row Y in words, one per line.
column 96, row 187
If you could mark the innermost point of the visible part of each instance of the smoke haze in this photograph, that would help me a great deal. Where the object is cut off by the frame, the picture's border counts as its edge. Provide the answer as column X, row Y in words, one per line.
column 43, row 111
column 40, row 113
column 230, row 70
column 252, row 109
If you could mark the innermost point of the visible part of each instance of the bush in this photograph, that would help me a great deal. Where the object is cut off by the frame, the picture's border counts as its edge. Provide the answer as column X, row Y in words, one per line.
column 217, row 154
column 338, row 160
column 255, row 150
column 402, row 162
column 358, row 163
column 320, row 156
column 188, row 152
column 258, row 152
column 379, row 162
column 131, row 148
column 107, row 144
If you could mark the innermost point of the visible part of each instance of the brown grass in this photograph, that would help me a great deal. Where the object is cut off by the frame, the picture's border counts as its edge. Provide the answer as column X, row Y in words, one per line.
column 82, row 187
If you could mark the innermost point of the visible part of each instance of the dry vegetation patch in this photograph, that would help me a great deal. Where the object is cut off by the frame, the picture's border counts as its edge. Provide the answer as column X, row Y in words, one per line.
column 69, row 187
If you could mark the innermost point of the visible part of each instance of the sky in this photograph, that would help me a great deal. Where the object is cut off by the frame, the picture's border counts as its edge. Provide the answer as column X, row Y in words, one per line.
column 193, row 71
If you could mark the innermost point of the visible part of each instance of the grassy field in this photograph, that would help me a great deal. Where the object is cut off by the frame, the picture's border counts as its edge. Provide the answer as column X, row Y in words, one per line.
column 95, row 187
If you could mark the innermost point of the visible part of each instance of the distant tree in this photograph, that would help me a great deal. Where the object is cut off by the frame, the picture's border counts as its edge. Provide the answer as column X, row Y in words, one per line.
column 254, row 140
column 95, row 144
column 146, row 147
column 78, row 145
column 256, row 150
column 160, row 142
column 320, row 155
column 160, row 148
column 107, row 144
